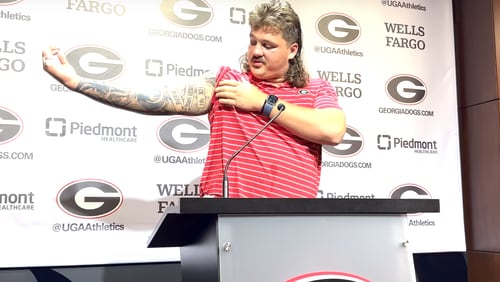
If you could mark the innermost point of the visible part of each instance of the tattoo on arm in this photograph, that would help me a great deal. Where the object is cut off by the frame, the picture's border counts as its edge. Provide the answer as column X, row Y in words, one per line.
column 190, row 99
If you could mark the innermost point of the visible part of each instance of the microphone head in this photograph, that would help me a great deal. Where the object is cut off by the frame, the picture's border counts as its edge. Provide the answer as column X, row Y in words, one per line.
column 281, row 107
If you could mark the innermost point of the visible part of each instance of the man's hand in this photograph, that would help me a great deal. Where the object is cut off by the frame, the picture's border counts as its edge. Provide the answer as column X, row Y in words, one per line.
column 55, row 64
column 242, row 95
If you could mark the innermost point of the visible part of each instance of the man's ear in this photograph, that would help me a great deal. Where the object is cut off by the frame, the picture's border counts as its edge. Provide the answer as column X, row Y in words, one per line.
column 294, row 48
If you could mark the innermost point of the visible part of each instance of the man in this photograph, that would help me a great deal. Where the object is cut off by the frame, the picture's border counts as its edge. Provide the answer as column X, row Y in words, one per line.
column 285, row 159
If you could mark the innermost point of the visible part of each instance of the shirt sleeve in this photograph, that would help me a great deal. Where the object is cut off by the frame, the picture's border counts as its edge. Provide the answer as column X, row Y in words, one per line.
column 326, row 96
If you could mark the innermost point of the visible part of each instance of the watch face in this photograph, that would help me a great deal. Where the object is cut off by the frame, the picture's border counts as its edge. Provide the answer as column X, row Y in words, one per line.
column 272, row 99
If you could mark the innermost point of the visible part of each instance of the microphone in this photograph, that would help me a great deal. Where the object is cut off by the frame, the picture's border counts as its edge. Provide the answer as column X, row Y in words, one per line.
column 225, row 180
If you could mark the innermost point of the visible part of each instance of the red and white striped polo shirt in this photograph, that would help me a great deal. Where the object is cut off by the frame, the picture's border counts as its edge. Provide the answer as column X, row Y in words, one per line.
column 276, row 164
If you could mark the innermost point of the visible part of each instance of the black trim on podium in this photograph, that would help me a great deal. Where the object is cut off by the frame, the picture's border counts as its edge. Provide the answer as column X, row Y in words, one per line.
column 194, row 227
column 306, row 206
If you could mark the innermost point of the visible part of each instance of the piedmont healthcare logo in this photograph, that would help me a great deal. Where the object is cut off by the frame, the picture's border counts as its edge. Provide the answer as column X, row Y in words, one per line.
column 59, row 127
column 386, row 142
column 328, row 277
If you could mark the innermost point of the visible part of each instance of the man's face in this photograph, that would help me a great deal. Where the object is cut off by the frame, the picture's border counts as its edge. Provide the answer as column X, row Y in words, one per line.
column 268, row 54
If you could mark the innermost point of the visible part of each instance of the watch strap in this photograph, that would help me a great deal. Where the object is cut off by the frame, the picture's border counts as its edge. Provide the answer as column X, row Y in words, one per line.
column 269, row 105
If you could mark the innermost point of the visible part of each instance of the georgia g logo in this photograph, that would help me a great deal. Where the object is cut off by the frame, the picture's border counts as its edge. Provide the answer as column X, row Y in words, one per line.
column 406, row 89
column 184, row 134
column 338, row 28
column 89, row 199
column 9, row 2
column 96, row 63
column 328, row 276
column 11, row 126
column 187, row 13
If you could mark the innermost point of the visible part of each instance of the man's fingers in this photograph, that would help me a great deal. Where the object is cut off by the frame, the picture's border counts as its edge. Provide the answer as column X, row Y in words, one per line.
column 50, row 54
column 229, row 83
column 223, row 89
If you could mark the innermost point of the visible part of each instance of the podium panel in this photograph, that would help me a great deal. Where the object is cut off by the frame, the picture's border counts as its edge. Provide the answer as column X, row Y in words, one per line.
column 278, row 248
column 292, row 240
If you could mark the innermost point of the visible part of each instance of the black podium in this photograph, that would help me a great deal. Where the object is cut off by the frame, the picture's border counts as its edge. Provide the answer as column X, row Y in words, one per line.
column 238, row 240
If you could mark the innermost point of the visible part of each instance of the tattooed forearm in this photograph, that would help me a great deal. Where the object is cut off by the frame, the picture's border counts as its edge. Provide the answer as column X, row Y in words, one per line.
column 190, row 99
column 156, row 102
column 106, row 94
column 196, row 98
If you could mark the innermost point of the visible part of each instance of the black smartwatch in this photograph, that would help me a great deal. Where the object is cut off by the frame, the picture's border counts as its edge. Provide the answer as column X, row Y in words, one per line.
column 269, row 105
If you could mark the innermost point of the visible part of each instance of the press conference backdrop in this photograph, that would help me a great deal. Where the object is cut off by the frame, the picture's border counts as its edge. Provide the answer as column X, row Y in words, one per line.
column 84, row 183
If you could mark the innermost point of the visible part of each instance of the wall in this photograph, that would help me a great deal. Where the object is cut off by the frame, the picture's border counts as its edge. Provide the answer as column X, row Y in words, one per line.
column 477, row 36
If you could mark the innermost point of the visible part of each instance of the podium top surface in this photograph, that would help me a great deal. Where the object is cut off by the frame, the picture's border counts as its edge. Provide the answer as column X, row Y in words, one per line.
column 305, row 206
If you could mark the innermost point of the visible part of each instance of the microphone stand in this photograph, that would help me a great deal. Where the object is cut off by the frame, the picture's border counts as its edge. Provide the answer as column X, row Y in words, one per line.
column 225, row 180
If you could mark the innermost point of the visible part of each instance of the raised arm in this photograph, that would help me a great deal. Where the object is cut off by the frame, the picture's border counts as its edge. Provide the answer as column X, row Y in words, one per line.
column 323, row 126
column 192, row 98
column 187, row 99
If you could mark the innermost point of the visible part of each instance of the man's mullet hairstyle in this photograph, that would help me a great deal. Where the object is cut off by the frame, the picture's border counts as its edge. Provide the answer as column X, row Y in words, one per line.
column 281, row 17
